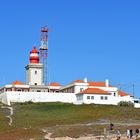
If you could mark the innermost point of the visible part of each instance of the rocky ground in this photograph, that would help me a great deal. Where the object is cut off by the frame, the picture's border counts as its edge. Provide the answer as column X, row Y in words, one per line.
column 89, row 137
column 99, row 132
column 71, row 132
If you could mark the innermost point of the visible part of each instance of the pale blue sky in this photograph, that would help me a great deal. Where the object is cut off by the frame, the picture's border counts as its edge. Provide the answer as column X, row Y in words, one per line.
column 97, row 39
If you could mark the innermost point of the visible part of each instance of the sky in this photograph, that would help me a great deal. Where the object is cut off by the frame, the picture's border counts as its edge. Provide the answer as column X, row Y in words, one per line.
column 97, row 39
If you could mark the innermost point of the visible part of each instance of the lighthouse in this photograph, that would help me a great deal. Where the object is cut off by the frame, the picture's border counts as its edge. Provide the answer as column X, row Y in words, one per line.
column 34, row 70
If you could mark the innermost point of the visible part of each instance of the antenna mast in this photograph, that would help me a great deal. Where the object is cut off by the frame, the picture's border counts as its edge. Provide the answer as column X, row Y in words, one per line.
column 44, row 53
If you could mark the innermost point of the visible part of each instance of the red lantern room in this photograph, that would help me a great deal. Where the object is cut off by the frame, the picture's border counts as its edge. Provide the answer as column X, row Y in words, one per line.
column 34, row 55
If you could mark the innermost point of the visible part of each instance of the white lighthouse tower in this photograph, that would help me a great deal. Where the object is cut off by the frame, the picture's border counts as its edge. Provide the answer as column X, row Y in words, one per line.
column 34, row 70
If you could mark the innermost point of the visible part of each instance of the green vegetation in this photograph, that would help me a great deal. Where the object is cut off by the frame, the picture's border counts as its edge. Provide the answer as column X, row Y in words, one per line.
column 50, row 114
column 3, row 120
column 29, row 118
column 126, row 104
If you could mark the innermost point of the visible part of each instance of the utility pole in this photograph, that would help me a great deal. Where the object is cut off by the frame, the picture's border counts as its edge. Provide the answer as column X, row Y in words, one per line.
column 119, row 86
column 133, row 90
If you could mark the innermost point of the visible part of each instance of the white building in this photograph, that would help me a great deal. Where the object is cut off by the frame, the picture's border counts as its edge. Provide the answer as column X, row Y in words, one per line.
column 77, row 92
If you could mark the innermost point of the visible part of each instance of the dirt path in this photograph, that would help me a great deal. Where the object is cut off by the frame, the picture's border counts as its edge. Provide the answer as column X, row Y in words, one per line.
column 88, row 138
column 11, row 112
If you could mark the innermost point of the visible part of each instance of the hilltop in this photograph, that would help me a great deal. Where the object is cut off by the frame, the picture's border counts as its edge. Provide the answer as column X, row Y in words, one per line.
column 34, row 120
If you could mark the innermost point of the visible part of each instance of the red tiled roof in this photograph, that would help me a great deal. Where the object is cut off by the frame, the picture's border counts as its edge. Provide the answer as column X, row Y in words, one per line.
column 121, row 93
column 98, row 84
column 77, row 81
column 94, row 91
column 54, row 84
column 17, row 83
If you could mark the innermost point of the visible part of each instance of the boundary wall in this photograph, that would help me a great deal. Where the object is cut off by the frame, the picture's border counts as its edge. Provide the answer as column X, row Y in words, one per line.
column 8, row 97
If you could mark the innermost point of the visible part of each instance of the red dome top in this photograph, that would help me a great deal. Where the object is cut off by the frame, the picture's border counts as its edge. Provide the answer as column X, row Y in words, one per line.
column 34, row 57
column 34, row 50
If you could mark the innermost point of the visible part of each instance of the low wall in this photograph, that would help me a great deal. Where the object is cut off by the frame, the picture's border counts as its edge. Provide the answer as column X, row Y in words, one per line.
column 4, row 98
column 8, row 97
column 137, row 105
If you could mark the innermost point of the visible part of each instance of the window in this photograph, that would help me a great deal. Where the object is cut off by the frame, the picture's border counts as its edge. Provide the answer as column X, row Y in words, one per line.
column 79, row 97
column 35, row 72
column 102, row 97
column 81, row 89
column 19, row 90
column 88, row 97
column 106, row 97
column 92, row 97
column 136, row 101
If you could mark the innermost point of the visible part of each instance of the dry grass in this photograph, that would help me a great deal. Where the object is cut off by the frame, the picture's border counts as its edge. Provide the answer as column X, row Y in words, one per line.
column 24, row 134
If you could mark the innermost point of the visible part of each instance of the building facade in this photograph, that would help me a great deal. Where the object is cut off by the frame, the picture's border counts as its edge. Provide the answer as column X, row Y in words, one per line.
column 77, row 92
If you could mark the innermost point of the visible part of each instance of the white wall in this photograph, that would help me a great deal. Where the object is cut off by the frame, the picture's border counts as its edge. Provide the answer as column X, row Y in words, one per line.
column 77, row 88
column 111, row 100
column 97, row 99
column 7, row 97
column 4, row 98
column 10, row 96
column 31, row 77
column 137, row 105
column 35, row 78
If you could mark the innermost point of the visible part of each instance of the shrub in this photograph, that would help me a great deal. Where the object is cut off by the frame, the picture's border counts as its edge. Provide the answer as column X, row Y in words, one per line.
column 26, row 103
column 126, row 104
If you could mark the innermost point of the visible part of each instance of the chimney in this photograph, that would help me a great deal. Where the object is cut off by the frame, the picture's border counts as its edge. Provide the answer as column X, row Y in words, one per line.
column 107, row 83
column 85, row 79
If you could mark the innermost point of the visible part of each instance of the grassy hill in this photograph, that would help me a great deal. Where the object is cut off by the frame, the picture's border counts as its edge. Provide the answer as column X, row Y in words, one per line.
column 34, row 117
